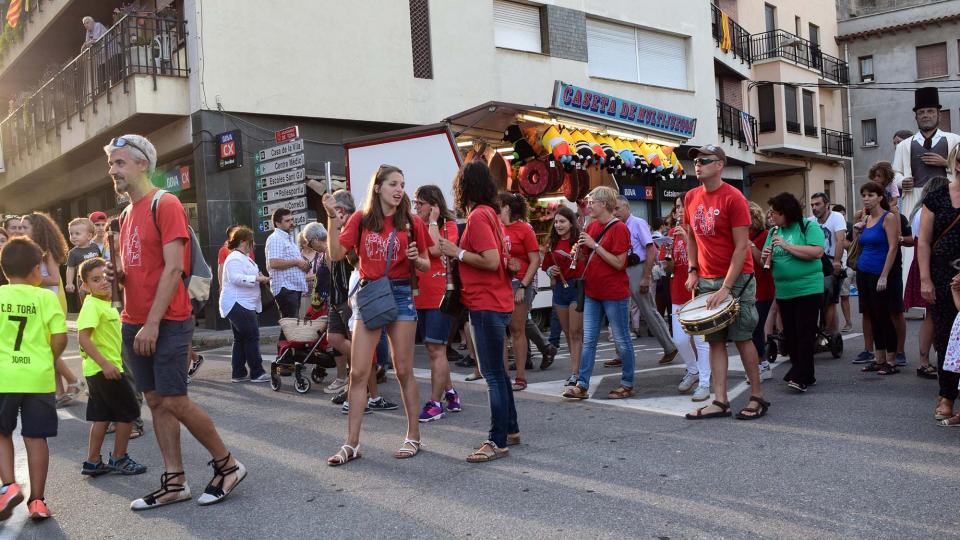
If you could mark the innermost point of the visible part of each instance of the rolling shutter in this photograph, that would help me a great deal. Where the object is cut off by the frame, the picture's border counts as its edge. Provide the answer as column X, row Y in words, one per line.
column 612, row 51
column 517, row 26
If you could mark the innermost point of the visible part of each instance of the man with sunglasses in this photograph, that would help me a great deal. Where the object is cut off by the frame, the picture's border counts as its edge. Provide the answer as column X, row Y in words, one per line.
column 717, row 220
column 157, row 324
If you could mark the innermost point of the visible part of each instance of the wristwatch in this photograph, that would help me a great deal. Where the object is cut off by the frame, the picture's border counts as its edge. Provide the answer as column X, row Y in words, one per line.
column 461, row 254
column 692, row 269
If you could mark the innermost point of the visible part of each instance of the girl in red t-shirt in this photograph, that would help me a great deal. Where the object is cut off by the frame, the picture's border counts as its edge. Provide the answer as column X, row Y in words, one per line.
column 567, row 281
column 387, row 209
column 431, row 206
column 525, row 260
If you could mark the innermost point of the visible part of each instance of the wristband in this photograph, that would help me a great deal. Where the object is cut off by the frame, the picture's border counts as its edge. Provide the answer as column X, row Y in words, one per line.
column 433, row 223
column 691, row 270
column 461, row 254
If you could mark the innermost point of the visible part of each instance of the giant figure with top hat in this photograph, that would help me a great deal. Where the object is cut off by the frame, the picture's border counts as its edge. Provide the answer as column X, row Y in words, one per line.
column 923, row 156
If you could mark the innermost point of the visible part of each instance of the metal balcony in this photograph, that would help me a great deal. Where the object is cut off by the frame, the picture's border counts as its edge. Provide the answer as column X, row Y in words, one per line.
column 739, row 37
column 783, row 44
column 737, row 125
column 836, row 143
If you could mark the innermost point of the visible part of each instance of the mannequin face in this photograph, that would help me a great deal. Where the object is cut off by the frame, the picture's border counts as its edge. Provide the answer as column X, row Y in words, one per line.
column 928, row 118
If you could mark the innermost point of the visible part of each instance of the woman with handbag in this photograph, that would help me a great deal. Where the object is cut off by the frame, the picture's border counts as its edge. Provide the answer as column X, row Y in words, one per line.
column 240, row 303
column 937, row 249
column 563, row 262
column 431, row 206
column 383, row 231
column 792, row 251
column 488, row 296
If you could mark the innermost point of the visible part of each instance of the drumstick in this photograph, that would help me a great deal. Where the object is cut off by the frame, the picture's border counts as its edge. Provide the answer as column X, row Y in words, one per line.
column 414, row 280
column 114, row 229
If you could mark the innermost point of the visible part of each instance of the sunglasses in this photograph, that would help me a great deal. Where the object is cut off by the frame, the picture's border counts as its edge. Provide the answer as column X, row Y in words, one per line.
column 705, row 161
column 120, row 142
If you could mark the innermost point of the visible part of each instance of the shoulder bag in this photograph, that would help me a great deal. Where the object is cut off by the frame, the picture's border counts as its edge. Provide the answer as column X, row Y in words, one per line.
column 375, row 301
column 582, row 290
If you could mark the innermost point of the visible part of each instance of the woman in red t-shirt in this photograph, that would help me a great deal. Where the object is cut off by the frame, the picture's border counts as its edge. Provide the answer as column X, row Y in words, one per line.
column 567, row 282
column 766, row 290
column 431, row 206
column 606, row 291
column 487, row 294
column 383, row 230
column 525, row 260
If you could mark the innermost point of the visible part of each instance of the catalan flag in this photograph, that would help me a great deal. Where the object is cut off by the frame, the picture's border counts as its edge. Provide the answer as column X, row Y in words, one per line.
column 13, row 12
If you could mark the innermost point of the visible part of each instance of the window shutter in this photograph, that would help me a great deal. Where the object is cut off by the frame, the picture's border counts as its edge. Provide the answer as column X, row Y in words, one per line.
column 420, row 39
column 790, row 104
column 663, row 59
column 945, row 123
column 517, row 26
column 767, row 108
column 932, row 61
column 612, row 51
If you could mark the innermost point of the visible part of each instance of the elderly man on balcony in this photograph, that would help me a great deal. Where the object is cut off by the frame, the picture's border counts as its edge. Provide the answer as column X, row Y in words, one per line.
column 94, row 31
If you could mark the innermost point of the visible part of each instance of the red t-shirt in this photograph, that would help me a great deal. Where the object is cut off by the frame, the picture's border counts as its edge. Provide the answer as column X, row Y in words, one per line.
column 560, row 256
column 679, row 294
column 521, row 240
column 373, row 254
column 712, row 217
column 225, row 252
column 485, row 290
column 602, row 281
column 434, row 283
column 765, row 287
column 141, row 251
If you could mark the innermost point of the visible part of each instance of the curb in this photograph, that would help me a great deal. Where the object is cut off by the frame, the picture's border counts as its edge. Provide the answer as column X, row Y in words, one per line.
column 212, row 340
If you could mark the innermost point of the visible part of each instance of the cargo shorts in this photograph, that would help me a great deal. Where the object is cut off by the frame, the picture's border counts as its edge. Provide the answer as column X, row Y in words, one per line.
column 746, row 321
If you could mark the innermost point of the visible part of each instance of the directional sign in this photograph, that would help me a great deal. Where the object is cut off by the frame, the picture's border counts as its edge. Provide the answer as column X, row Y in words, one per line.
column 294, row 205
column 279, row 151
column 282, row 192
column 299, row 220
column 281, row 179
column 290, row 162
column 286, row 134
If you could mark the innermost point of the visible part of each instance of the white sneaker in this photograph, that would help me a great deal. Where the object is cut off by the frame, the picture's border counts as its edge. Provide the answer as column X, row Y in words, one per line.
column 688, row 382
column 766, row 372
column 335, row 386
column 701, row 394
column 262, row 378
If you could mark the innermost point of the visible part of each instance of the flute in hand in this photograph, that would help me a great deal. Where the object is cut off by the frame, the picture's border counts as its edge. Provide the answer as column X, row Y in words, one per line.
column 769, row 259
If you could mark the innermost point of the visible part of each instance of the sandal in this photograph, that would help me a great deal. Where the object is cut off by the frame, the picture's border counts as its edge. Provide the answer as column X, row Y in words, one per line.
column 215, row 491
column 927, row 372
column 167, row 486
column 616, row 362
column 513, row 439
column 755, row 412
column 519, row 384
column 873, row 367
column 345, row 454
column 888, row 369
column 408, row 449
column 953, row 421
column 493, row 452
column 700, row 415
column 575, row 392
column 622, row 392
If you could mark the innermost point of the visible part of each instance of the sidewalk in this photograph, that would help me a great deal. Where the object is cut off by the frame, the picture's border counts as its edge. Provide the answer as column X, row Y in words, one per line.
column 207, row 339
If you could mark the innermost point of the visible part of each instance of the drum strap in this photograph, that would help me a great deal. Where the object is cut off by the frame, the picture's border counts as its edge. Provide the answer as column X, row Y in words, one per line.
column 745, row 285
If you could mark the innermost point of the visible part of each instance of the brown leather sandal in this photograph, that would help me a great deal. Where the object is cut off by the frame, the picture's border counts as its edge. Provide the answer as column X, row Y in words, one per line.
column 488, row 451
column 621, row 392
column 576, row 392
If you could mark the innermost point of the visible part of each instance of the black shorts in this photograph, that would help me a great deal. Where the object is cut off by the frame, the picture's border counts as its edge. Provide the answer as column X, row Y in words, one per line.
column 166, row 371
column 338, row 319
column 111, row 400
column 38, row 411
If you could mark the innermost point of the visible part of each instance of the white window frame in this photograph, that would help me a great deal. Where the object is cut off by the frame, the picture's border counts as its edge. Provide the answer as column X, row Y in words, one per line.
column 645, row 51
column 863, row 124
column 517, row 26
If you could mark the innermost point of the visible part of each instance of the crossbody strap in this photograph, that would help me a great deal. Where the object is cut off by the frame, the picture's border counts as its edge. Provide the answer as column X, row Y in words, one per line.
column 606, row 228
column 386, row 272
column 945, row 231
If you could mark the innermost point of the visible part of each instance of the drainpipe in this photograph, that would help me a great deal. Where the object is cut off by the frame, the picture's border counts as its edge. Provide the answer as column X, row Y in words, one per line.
column 846, row 93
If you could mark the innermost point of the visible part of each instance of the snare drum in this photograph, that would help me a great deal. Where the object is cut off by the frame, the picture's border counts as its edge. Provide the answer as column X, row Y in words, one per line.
column 696, row 319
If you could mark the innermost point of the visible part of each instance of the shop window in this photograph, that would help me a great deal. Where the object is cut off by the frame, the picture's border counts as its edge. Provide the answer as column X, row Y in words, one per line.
column 866, row 68
column 790, row 104
column 767, row 108
column 932, row 61
column 809, row 125
column 420, row 39
column 517, row 26
column 945, row 123
column 869, row 131
column 636, row 55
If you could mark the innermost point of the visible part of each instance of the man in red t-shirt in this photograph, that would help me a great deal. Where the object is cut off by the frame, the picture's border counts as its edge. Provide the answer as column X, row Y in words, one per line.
column 157, row 323
column 717, row 218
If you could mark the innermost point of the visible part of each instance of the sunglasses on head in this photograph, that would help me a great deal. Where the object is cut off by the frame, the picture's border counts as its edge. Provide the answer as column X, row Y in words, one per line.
column 120, row 142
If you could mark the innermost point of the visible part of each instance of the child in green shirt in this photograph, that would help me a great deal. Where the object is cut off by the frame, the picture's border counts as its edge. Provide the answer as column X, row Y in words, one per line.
column 33, row 333
column 111, row 397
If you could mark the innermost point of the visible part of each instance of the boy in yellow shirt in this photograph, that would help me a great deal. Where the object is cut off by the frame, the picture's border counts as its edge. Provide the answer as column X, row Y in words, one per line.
column 33, row 332
column 111, row 397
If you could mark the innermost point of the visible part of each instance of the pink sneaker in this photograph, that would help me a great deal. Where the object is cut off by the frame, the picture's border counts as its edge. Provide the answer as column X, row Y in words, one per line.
column 10, row 497
column 38, row 509
column 433, row 410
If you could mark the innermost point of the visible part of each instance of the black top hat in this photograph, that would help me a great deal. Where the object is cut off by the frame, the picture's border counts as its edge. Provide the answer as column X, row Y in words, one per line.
column 926, row 97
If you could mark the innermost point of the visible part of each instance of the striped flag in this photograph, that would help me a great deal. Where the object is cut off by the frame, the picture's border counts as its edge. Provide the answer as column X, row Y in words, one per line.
column 13, row 13
column 747, row 130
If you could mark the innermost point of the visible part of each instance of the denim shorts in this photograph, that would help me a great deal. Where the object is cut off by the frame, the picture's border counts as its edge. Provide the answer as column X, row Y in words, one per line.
column 434, row 326
column 531, row 291
column 403, row 295
column 166, row 371
column 564, row 296
column 746, row 321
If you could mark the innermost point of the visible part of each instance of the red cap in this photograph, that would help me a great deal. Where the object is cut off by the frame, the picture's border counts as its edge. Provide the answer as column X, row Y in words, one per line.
column 97, row 216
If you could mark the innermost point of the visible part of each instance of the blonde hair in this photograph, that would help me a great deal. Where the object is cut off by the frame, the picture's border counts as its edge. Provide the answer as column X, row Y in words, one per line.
column 85, row 222
column 952, row 163
column 757, row 218
column 606, row 195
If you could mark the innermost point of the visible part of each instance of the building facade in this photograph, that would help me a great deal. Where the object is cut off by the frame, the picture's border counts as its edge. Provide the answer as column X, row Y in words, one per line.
column 894, row 47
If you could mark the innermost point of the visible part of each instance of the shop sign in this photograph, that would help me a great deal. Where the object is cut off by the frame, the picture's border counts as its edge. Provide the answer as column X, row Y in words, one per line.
column 178, row 179
column 286, row 134
column 599, row 105
column 229, row 150
column 294, row 205
column 636, row 193
column 279, row 151
column 282, row 179
column 280, row 165
column 282, row 192
column 299, row 220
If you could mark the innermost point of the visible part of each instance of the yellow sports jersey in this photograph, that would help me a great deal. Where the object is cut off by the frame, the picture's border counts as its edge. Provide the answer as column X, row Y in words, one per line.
column 104, row 319
column 28, row 317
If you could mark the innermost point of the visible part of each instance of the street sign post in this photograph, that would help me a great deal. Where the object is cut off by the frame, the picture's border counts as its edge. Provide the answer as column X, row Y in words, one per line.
column 299, row 220
column 282, row 192
column 282, row 179
column 282, row 164
column 279, row 151
column 294, row 205
column 286, row 134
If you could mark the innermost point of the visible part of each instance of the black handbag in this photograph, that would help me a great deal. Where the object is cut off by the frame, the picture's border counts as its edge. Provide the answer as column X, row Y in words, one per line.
column 582, row 291
column 452, row 303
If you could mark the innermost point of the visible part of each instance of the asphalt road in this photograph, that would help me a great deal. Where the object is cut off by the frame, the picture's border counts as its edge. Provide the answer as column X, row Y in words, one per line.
column 858, row 456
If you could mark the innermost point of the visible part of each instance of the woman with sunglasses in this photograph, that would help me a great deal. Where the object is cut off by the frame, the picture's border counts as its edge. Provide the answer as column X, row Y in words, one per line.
column 385, row 229
column 431, row 206
column 567, row 277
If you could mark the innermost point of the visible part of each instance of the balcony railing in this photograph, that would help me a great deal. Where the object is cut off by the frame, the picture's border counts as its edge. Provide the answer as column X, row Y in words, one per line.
column 836, row 143
column 737, row 125
column 739, row 37
column 783, row 44
column 133, row 46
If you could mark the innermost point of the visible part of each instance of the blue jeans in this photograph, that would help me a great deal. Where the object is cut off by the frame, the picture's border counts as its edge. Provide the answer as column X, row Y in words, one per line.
column 490, row 328
column 617, row 313
column 555, row 329
column 246, row 342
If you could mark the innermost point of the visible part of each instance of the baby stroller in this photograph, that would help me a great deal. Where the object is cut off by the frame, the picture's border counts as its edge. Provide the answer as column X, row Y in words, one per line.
column 305, row 344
